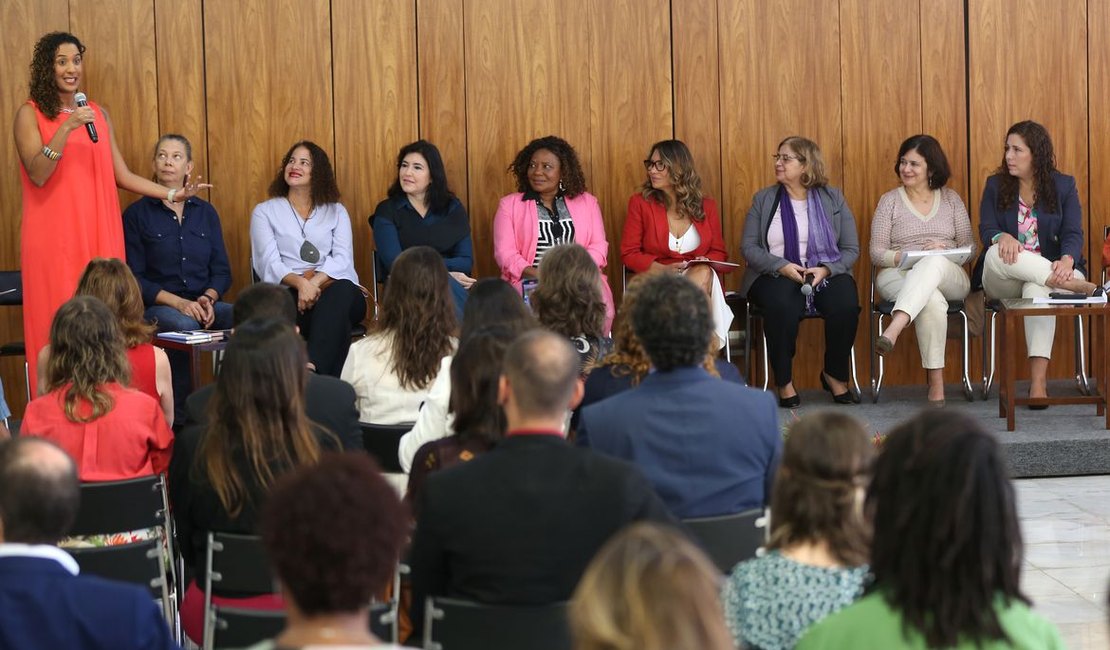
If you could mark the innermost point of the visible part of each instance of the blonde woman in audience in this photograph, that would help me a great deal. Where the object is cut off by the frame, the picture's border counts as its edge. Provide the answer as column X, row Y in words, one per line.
column 648, row 588
column 112, row 282
column 393, row 368
column 922, row 214
column 817, row 557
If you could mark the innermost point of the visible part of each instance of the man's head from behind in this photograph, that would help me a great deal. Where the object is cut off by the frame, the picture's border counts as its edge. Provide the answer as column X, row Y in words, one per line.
column 264, row 300
column 540, row 378
column 671, row 319
column 39, row 492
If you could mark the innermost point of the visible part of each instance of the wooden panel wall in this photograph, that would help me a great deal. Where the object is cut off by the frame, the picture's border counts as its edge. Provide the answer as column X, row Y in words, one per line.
column 244, row 80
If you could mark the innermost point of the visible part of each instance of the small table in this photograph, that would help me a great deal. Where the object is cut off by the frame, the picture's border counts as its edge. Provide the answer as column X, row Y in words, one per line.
column 194, row 350
column 1015, row 308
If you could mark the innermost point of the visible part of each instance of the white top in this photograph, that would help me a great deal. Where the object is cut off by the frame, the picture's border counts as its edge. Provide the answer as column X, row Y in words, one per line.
column 41, row 552
column 276, row 241
column 775, row 240
column 687, row 242
column 433, row 422
column 378, row 392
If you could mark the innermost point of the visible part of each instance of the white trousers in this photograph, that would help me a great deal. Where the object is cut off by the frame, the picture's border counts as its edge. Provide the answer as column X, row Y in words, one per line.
column 923, row 293
column 1025, row 278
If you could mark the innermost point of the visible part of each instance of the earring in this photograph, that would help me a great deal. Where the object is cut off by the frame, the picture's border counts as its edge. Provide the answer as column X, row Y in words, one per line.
column 561, row 188
column 805, row 178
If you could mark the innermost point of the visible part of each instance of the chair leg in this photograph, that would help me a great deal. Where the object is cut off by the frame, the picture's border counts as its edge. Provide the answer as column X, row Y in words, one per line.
column 876, row 359
column 989, row 352
column 969, row 392
column 1081, row 358
column 748, row 343
column 728, row 348
column 766, row 363
column 855, row 379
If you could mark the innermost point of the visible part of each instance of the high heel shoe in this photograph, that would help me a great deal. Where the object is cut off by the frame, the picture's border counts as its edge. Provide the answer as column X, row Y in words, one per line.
column 794, row 401
column 847, row 397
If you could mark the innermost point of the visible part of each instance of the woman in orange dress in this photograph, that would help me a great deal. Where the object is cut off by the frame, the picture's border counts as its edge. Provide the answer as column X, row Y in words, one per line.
column 70, row 207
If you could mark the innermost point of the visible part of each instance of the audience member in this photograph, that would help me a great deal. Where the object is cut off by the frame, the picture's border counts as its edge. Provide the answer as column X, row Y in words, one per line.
column 393, row 368
column 177, row 253
column 817, row 556
column 112, row 432
column 946, row 551
column 5, row 413
column 550, row 207
column 329, row 402
column 492, row 303
column 44, row 603
column 708, row 446
column 475, row 372
column 519, row 524
column 329, row 573
column 648, row 588
column 301, row 238
column 256, row 430
column 568, row 301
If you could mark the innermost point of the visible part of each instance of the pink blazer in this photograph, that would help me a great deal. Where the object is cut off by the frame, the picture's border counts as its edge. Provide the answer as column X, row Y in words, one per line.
column 515, row 231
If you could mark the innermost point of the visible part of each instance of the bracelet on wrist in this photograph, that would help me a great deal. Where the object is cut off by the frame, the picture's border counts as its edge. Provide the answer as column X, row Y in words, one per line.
column 50, row 153
column 171, row 195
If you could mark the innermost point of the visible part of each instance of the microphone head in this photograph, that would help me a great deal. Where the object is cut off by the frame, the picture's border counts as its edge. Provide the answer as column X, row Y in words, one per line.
column 807, row 289
column 81, row 99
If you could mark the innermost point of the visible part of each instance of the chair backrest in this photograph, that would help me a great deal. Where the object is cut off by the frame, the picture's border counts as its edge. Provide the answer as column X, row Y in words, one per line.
column 11, row 287
column 137, row 563
column 119, row 506
column 452, row 624
column 381, row 442
column 730, row 539
column 237, row 564
column 240, row 628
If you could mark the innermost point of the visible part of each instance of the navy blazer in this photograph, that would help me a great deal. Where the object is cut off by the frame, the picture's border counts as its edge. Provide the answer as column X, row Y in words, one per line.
column 42, row 605
column 1059, row 228
column 710, row 447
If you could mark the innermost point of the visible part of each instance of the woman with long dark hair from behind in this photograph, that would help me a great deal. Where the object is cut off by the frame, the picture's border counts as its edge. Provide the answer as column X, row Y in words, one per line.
column 393, row 368
column 946, row 551
column 256, row 430
column 817, row 555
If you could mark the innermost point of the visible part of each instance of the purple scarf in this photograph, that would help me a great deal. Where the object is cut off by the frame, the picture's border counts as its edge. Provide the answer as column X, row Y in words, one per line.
column 821, row 247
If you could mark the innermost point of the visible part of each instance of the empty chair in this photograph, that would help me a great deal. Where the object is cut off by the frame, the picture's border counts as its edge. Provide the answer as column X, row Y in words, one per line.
column 729, row 539
column 381, row 442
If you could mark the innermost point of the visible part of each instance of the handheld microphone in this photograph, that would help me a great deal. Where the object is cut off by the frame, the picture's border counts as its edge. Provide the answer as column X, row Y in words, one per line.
column 807, row 286
column 90, row 127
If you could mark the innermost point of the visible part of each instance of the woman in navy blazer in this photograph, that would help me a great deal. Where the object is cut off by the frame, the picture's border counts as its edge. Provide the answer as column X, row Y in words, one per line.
column 1031, row 226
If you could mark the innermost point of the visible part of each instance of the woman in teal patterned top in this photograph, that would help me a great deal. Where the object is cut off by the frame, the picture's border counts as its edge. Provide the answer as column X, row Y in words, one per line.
column 816, row 564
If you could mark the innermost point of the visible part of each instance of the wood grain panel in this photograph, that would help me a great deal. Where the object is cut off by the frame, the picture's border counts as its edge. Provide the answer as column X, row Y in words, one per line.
column 1047, row 83
column 258, row 105
column 441, row 72
column 121, row 73
column 944, row 85
column 630, row 104
column 375, row 105
column 1098, row 210
column 526, row 67
column 697, row 96
column 34, row 18
column 780, row 76
column 179, row 37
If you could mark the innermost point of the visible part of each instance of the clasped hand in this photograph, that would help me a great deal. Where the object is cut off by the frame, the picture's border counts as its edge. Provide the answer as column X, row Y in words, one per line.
column 798, row 273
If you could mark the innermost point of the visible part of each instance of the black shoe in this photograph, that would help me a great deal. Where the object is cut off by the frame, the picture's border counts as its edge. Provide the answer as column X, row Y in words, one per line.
column 794, row 401
column 847, row 397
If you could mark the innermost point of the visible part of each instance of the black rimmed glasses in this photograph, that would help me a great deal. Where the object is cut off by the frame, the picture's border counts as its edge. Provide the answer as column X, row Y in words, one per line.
column 657, row 165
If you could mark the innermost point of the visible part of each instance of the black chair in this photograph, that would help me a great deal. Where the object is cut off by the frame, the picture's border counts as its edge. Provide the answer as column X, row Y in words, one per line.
column 381, row 442
column 754, row 315
column 452, row 624
column 379, row 275
column 11, row 295
column 883, row 309
column 236, row 564
column 729, row 539
column 137, row 563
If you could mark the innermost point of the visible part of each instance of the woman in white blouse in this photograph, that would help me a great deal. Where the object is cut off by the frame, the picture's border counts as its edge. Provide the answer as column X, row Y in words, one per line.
column 301, row 238
column 922, row 214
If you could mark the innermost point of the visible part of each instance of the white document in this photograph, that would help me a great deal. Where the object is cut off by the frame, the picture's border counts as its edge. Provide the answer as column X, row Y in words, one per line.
column 958, row 255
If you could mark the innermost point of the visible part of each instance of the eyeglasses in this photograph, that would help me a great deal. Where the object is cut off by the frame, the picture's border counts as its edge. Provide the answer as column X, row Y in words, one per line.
column 657, row 165
column 785, row 158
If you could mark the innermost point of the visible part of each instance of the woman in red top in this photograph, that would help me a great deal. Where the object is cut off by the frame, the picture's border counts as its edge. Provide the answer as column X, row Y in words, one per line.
column 70, row 205
column 111, row 431
column 112, row 282
column 671, row 227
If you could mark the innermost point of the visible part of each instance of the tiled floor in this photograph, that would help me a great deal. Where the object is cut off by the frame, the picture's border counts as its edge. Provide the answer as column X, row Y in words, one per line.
column 1066, row 523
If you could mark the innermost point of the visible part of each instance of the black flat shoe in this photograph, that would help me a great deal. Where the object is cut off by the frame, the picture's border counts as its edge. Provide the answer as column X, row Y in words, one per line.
column 794, row 401
column 847, row 397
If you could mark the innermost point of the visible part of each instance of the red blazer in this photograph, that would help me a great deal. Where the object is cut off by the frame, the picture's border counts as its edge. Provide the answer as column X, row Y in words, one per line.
column 645, row 238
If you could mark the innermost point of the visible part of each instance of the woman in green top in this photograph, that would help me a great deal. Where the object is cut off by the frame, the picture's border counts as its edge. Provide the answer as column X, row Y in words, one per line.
column 946, row 552
column 817, row 559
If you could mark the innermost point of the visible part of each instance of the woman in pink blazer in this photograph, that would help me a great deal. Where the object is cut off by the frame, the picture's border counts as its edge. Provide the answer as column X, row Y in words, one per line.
column 551, row 207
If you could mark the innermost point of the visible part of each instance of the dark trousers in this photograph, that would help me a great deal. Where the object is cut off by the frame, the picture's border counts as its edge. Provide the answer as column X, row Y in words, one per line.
column 327, row 326
column 784, row 305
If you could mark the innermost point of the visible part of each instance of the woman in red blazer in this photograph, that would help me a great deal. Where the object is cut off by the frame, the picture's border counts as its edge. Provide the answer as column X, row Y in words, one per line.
column 671, row 227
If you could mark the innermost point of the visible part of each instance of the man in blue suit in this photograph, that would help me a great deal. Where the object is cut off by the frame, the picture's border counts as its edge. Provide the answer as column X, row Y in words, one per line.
column 43, row 602
column 710, row 447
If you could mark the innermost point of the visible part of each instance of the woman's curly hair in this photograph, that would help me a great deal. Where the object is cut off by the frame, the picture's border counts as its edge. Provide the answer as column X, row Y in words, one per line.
column 1044, row 163
column 86, row 352
column 570, row 170
column 322, row 181
column 418, row 311
column 113, row 283
column 568, row 298
column 43, row 87
column 684, row 179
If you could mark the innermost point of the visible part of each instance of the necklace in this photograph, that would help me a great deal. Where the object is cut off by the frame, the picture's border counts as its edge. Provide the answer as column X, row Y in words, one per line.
column 309, row 252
